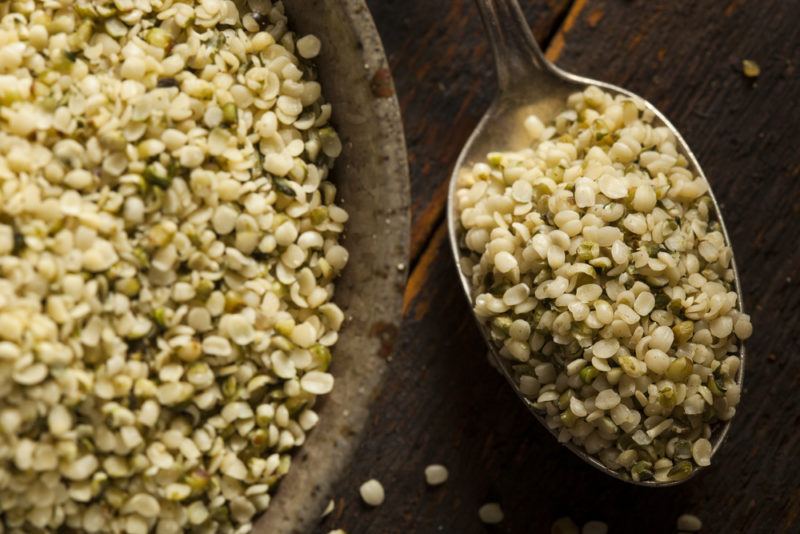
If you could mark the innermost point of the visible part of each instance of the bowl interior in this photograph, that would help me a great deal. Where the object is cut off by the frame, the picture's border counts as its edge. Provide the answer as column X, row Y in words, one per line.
column 372, row 180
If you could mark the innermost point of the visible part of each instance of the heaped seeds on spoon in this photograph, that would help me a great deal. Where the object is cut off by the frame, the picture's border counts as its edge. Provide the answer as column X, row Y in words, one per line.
column 168, row 246
column 598, row 265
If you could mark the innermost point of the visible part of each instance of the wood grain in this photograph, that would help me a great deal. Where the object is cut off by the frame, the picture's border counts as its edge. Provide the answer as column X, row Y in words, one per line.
column 443, row 403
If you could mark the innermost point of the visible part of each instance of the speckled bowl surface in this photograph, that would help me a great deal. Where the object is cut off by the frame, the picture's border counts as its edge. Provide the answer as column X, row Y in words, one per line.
column 372, row 179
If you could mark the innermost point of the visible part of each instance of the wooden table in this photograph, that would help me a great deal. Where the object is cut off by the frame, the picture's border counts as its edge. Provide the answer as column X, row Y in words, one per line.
column 442, row 403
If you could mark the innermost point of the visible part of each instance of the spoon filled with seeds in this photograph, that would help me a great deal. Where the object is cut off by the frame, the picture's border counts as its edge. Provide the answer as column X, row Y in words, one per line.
column 598, row 266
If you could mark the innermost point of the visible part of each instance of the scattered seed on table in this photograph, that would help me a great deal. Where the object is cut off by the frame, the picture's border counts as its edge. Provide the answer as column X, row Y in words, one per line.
column 328, row 509
column 435, row 474
column 689, row 523
column 372, row 492
column 564, row 525
column 750, row 68
column 595, row 527
column 491, row 513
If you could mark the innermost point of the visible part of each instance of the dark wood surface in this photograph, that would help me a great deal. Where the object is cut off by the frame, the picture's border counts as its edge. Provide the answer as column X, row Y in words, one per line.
column 442, row 403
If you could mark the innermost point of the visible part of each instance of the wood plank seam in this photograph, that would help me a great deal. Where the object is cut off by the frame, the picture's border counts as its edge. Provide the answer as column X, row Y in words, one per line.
column 556, row 45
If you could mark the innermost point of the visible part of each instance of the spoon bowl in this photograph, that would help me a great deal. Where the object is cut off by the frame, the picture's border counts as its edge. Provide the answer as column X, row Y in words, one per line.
column 528, row 84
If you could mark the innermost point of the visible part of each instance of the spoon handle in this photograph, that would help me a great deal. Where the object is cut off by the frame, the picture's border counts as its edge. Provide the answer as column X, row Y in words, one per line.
column 517, row 55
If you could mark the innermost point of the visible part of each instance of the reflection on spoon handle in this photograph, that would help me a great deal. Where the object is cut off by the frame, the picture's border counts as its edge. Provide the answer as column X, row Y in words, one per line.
column 517, row 55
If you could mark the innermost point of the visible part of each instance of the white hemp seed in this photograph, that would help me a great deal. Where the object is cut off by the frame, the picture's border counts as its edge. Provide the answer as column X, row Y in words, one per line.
column 435, row 474
column 372, row 492
column 139, row 239
column 689, row 523
column 308, row 46
column 491, row 513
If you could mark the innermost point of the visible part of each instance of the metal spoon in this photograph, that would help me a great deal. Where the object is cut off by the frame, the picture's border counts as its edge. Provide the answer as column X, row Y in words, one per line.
column 530, row 84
